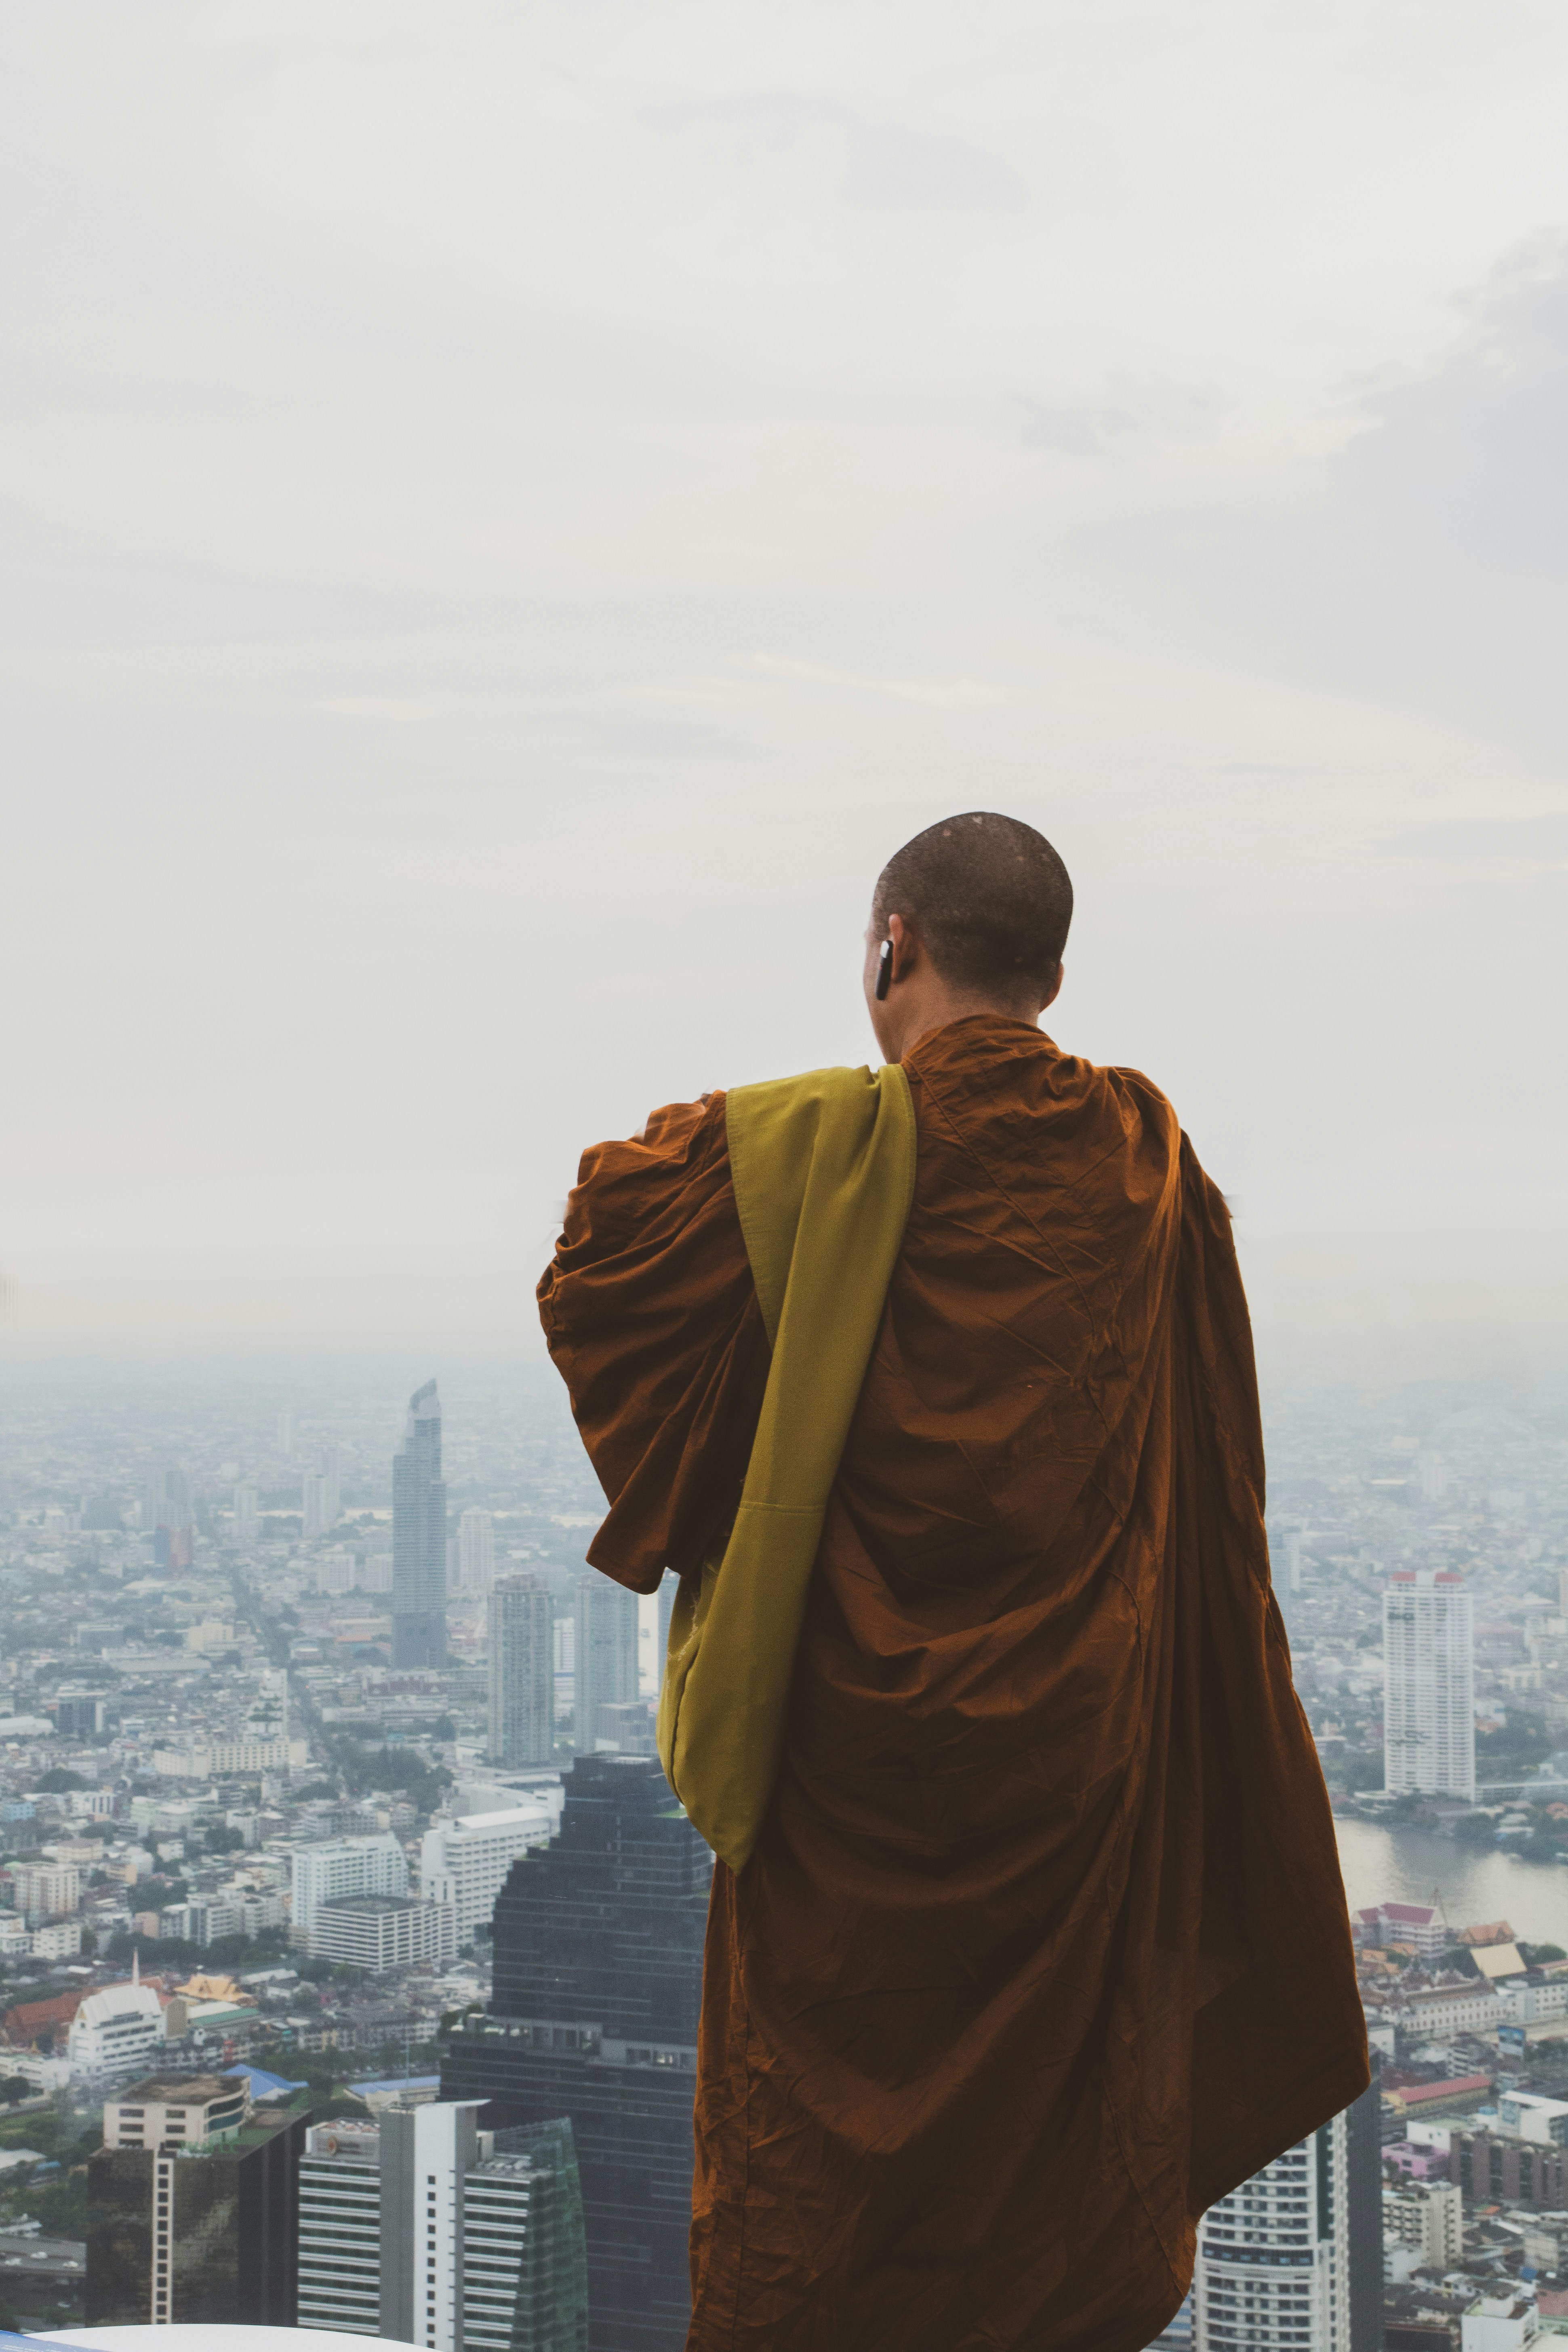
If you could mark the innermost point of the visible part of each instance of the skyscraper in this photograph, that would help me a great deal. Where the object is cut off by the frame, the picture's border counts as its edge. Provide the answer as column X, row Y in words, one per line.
column 476, row 1551
column 425, row 2152
column 1429, row 1705
column 521, row 1672
column 167, row 1517
column 317, row 1505
column 422, row 2227
column 193, row 2207
column 1292, row 2260
column 605, row 1655
column 247, row 1512
column 598, row 1981
column 419, row 1537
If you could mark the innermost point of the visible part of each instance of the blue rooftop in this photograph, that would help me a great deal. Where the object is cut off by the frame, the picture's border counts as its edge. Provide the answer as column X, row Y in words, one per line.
column 264, row 2086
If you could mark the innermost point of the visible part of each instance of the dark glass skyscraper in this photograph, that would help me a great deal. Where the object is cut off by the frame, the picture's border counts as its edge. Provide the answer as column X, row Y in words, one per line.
column 191, row 2228
column 419, row 1537
column 598, row 1983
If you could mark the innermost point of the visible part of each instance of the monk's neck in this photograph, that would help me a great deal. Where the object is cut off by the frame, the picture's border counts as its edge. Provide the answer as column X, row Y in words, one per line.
column 900, row 1039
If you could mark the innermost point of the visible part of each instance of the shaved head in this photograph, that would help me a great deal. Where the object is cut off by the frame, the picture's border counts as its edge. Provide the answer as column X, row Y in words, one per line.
column 987, row 894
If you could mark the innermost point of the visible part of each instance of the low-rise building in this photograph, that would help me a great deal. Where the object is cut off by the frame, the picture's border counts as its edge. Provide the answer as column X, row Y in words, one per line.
column 115, row 2033
column 1417, row 1926
column 59, row 1939
column 1528, row 2115
column 1502, row 2322
column 45, row 1890
column 1470, row 2008
column 1497, row 2168
column 1428, row 2217
column 378, row 1932
column 158, row 2113
column 223, row 1760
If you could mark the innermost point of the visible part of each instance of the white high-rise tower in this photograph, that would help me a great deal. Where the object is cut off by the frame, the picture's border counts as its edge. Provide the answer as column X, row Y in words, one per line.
column 522, row 1675
column 1292, row 2260
column 1429, row 1696
column 605, row 1655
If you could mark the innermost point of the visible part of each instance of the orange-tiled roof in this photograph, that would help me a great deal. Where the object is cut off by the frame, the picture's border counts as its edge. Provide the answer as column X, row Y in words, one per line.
column 24, row 2023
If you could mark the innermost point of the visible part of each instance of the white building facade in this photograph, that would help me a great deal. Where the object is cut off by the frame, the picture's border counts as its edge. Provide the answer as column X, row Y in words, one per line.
column 378, row 1932
column 521, row 1672
column 45, row 1890
column 339, row 1867
column 1292, row 2260
column 464, row 1862
column 339, row 2229
column 1429, row 1696
column 605, row 1655
column 1428, row 2216
column 416, row 2228
column 116, row 2033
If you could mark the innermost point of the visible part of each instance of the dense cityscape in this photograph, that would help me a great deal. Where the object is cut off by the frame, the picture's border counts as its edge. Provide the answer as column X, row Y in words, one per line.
column 352, row 1937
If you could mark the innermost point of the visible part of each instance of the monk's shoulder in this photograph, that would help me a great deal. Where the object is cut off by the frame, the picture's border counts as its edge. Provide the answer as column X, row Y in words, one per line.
column 622, row 1183
column 985, row 1071
column 1140, row 1095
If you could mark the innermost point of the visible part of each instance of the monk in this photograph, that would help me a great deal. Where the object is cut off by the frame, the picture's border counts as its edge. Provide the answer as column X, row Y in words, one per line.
column 1041, row 1944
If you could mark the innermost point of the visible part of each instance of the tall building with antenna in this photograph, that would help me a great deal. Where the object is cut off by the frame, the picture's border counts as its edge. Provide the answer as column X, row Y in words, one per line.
column 419, row 1537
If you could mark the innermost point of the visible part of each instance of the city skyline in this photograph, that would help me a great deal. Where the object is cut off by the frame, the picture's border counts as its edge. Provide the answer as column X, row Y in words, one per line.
column 239, row 1732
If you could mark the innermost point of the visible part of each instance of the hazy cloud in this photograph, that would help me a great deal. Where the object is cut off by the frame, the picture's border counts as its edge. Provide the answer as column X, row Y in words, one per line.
column 1472, row 450
column 416, row 418
column 860, row 159
column 1120, row 427
column 354, row 706
column 931, row 693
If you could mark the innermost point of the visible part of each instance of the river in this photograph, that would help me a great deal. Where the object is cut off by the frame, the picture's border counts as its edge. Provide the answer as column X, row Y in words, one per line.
column 1476, row 1882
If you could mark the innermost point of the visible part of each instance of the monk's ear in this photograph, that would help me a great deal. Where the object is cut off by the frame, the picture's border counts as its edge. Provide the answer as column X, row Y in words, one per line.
column 1055, row 989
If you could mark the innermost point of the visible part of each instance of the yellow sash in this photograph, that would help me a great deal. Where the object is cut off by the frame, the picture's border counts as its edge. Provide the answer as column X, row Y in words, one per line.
column 824, row 1170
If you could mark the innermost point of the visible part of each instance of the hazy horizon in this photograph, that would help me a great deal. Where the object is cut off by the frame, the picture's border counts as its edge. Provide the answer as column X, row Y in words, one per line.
column 508, row 522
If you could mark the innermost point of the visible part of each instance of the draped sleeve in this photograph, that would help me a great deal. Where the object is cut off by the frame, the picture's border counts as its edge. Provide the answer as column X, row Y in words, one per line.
column 652, row 1321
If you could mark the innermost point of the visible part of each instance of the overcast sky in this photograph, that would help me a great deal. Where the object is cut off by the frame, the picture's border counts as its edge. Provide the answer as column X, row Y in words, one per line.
column 511, row 513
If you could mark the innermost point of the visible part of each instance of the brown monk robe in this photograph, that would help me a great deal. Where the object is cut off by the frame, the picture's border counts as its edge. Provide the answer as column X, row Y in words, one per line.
column 1044, row 1946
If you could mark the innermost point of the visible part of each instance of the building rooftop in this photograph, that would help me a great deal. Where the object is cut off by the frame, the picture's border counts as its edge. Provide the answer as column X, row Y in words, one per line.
column 179, row 2091
column 373, row 1903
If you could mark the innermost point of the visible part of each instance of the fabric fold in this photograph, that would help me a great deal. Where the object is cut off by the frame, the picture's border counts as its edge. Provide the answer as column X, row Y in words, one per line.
column 824, row 1168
